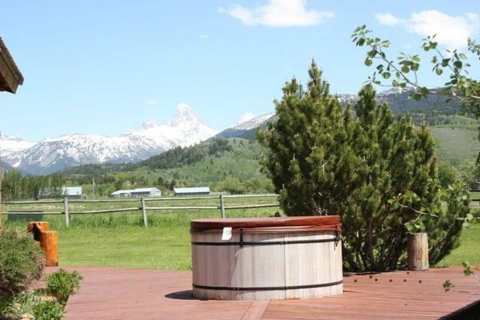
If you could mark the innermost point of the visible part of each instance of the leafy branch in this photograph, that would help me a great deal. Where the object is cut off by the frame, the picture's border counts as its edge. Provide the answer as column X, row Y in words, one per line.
column 403, row 72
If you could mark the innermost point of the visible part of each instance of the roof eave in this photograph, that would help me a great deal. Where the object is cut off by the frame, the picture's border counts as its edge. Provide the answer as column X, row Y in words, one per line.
column 10, row 75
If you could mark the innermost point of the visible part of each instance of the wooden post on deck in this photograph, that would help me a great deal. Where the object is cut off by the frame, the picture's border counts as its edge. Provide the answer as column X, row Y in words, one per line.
column 417, row 251
column 48, row 241
column 49, row 244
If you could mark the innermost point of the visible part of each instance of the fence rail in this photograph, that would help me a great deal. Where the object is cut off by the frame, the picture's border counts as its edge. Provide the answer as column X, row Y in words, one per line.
column 143, row 205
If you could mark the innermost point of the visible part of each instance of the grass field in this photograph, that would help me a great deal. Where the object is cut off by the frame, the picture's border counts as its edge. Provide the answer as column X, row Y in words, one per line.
column 455, row 145
column 124, row 242
column 166, row 245
column 121, row 240
column 469, row 249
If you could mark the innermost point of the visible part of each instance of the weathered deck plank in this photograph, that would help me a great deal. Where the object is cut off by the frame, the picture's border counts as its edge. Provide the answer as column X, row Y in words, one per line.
column 110, row 294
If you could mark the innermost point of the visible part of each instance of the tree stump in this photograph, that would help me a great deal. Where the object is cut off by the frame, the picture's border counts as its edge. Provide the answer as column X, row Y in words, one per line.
column 49, row 244
column 48, row 241
column 417, row 251
column 36, row 228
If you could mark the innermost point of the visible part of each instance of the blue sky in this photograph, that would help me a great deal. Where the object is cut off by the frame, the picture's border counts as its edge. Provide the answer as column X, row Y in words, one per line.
column 105, row 66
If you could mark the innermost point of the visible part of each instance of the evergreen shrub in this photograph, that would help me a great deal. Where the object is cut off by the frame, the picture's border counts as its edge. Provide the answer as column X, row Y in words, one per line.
column 375, row 169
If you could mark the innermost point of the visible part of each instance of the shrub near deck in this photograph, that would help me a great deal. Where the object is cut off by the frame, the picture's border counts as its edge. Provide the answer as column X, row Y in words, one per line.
column 21, row 262
column 376, row 170
column 63, row 284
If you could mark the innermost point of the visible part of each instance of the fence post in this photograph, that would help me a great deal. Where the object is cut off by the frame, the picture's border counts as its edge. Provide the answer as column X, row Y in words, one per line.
column 222, row 206
column 144, row 212
column 66, row 211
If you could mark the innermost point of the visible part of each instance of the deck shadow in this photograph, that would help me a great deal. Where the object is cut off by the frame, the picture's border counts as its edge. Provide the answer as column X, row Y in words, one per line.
column 181, row 295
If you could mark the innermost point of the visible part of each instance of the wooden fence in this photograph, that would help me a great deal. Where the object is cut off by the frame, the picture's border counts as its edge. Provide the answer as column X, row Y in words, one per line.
column 141, row 205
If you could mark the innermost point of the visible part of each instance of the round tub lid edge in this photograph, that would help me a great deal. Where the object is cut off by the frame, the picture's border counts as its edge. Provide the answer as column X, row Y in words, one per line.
column 237, row 223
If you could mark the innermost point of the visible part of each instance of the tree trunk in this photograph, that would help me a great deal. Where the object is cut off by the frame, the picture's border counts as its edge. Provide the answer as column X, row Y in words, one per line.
column 418, row 251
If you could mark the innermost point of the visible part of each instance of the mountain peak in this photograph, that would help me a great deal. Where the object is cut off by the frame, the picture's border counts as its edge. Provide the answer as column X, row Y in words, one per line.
column 254, row 122
column 150, row 139
column 149, row 124
column 185, row 114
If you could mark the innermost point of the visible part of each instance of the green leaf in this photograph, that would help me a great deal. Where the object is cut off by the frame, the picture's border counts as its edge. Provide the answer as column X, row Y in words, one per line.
column 467, row 268
column 372, row 53
column 447, row 285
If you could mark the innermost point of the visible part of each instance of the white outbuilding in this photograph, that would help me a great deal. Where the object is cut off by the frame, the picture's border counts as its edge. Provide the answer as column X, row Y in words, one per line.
column 137, row 193
column 192, row 191
column 72, row 192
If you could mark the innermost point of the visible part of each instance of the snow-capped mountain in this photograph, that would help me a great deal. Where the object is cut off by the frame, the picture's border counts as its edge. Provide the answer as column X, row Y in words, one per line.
column 55, row 154
column 11, row 148
column 247, row 128
column 254, row 122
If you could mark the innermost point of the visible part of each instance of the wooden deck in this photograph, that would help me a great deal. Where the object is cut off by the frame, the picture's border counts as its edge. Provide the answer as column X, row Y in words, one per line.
column 110, row 294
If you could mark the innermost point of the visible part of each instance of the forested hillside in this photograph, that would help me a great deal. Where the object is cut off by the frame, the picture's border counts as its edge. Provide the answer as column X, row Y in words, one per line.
column 230, row 165
column 231, row 160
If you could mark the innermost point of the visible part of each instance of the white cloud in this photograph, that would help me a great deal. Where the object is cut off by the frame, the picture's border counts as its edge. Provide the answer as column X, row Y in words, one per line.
column 279, row 13
column 387, row 19
column 246, row 117
column 450, row 31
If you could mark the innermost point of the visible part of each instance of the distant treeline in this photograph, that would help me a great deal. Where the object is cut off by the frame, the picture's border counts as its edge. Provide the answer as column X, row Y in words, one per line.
column 179, row 156
column 441, row 119
column 16, row 186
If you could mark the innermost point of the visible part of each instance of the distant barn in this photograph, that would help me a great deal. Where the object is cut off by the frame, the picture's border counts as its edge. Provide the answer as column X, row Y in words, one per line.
column 72, row 192
column 194, row 191
column 137, row 193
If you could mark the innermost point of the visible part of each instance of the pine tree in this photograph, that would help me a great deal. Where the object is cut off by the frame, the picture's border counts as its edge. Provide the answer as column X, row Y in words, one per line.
column 377, row 171
column 303, row 141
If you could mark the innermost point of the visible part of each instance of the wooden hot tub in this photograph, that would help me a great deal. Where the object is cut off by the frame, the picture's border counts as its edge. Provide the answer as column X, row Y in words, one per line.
column 267, row 258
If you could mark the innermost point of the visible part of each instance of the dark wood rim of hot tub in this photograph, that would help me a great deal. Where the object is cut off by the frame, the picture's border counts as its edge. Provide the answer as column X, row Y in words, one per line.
column 277, row 224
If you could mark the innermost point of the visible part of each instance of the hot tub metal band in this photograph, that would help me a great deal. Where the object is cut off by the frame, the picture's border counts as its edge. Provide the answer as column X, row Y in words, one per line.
column 261, row 243
column 283, row 288
column 242, row 243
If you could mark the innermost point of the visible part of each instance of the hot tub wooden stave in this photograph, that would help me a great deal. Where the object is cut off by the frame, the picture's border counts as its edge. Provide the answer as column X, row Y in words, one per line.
column 262, row 261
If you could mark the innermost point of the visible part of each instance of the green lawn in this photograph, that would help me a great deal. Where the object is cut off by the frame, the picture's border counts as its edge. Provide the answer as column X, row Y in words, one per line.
column 469, row 249
column 166, row 246
column 455, row 145
column 122, row 241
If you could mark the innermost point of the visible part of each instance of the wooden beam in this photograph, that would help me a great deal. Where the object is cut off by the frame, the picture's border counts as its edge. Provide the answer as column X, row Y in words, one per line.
column 10, row 75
